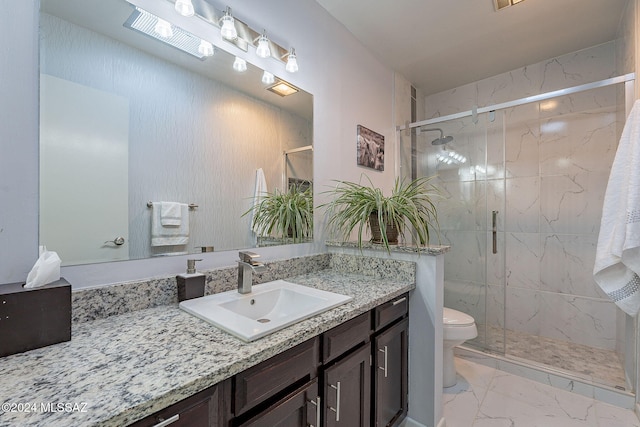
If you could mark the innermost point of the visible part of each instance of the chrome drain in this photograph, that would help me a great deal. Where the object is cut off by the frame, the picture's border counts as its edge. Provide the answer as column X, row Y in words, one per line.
column 264, row 320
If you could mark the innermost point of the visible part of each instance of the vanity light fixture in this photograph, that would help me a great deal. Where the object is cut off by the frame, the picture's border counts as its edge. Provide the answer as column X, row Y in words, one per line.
column 263, row 50
column 144, row 22
column 283, row 88
column 292, row 61
column 205, row 48
column 268, row 78
column 163, row 28
column 185, row 7
column 232, row 30
column 240, row 65
column 228, row 27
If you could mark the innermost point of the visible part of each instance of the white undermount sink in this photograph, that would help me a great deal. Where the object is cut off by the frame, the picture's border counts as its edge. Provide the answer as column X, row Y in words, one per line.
column 268, row 308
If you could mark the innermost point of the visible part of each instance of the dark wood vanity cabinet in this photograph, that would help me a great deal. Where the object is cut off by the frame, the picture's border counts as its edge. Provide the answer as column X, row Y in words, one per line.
column 366, row 368
column 354, row 375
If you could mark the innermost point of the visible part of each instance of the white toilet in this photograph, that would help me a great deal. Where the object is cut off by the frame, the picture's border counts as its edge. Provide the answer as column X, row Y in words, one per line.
column 458, row 327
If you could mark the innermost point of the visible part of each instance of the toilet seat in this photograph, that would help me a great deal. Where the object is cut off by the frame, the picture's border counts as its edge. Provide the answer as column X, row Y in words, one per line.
column 455, row 318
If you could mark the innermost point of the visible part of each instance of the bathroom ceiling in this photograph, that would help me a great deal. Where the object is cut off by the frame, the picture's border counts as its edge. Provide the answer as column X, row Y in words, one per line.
column 439, row 44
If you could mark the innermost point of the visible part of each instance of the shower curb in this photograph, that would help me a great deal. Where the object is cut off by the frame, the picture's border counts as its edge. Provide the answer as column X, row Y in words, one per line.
column 621, row 398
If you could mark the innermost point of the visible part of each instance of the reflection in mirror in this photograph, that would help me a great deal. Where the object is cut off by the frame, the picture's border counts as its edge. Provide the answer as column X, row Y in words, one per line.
column 126, row 120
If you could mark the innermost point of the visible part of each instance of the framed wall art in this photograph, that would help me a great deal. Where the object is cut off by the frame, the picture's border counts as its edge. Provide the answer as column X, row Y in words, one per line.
column 370, row 149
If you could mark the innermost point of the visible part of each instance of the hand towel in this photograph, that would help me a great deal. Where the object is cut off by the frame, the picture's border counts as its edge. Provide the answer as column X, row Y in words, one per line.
column 260, row 192
column 169, row 235
column 170, row 213
column 617, row 262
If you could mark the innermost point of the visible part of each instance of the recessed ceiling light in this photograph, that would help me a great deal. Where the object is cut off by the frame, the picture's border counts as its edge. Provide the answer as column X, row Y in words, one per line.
column 501, row 4
column 283, row 88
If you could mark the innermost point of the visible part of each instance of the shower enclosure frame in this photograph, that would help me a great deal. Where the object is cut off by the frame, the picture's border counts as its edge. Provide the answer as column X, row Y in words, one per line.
column 629, row 98
column 629, row 91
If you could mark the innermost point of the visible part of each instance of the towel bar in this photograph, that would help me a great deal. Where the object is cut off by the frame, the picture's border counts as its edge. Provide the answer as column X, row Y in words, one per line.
column 191, row 205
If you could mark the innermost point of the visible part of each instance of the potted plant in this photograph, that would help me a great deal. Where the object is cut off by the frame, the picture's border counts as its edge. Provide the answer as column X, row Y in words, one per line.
column 285, row 214
column 409, row 207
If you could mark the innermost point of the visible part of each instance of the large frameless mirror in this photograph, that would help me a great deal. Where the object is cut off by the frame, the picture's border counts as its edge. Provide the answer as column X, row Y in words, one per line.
column 127, row 121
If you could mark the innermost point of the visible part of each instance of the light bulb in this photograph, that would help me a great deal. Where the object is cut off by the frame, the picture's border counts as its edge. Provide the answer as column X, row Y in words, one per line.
column 268, row 78
column 240, row 65
column 163, row 29
column 228, row 28
column 292, row 62
column 205, row 48
column 184, row 7
column 263, row 50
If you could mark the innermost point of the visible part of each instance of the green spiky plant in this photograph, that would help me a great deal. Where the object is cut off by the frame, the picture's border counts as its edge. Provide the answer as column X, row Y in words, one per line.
column 410, row 207
column 285, row 214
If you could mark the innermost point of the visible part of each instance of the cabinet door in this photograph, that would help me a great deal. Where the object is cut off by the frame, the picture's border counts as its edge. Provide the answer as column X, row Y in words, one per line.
column 390, row 378
column 298, row 409
column 347, row 391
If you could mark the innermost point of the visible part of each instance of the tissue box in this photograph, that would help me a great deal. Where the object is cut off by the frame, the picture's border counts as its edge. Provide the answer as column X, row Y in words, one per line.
column 34, row 318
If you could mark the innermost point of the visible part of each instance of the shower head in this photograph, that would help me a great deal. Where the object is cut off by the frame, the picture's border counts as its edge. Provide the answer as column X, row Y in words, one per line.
column 438, row 141
column 442, row 140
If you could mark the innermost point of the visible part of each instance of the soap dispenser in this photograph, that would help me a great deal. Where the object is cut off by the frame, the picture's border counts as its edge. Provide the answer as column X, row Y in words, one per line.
column 190, row 284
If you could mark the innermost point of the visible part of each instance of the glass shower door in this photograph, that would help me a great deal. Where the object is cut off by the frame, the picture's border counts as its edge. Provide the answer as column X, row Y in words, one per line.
column 469, row 170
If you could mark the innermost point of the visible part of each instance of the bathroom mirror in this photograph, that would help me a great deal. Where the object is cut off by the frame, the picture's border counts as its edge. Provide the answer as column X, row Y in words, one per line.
column 127, row 121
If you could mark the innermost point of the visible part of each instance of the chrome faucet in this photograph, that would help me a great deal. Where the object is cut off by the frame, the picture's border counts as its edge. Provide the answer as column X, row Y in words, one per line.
column 246, row 266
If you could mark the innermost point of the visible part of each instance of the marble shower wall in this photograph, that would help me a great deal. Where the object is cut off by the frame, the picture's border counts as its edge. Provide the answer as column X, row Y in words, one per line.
column 556, row 162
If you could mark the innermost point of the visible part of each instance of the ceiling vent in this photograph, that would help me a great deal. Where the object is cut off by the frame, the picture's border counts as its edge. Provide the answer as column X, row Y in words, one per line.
column 501, row 4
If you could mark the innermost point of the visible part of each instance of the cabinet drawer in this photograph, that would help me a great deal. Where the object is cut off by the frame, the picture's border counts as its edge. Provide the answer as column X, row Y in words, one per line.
column 257, row 384
column 388, row 312
column 200, row 409
column 300, row 409
column 344, row 337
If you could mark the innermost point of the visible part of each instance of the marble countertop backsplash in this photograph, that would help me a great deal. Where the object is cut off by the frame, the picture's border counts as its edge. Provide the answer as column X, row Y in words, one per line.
column 111, row 300
column 141, row 353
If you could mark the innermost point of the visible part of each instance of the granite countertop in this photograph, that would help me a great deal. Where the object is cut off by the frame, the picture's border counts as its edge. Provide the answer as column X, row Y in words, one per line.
column 431, row 250
column 122, row 368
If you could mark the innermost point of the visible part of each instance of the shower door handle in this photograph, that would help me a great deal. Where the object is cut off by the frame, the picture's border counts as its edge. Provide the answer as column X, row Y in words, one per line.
column 494, row 215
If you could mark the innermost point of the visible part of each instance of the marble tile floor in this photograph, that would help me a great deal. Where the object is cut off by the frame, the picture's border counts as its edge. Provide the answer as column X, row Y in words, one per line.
column 488, row 397
column 592, row 364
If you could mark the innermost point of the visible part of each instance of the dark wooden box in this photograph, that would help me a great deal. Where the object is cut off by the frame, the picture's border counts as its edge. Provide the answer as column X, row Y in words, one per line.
column 34, row 318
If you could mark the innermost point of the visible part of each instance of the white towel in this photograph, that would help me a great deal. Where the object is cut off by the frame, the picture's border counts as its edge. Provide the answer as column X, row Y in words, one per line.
column 618, row 254
column 170, row 213
column 258, row 195
column 169, row 235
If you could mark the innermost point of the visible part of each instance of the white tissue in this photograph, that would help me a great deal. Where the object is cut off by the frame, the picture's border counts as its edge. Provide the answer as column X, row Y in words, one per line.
column 45, row 270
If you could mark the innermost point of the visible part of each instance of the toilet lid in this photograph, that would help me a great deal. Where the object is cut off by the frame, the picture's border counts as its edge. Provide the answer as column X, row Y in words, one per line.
column 453, row 317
